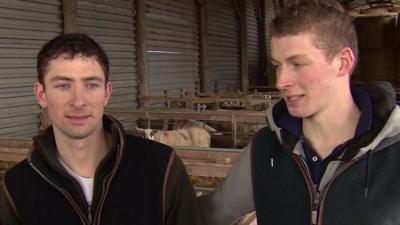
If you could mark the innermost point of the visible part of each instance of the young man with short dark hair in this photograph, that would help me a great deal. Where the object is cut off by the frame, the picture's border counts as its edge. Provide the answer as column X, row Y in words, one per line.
column 84, row 169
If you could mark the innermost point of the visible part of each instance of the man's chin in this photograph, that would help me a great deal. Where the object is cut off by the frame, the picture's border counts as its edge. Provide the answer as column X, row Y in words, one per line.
column 298, row 113
column 77, row 134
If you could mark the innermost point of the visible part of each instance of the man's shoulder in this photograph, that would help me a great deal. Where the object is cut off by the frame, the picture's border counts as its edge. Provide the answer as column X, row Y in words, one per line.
column 263, row 132
column 21, row 167
column 18, row 175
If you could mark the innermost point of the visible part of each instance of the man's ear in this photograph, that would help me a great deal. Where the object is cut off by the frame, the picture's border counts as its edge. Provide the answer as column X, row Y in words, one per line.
column 346, row 61
column 108, row 93
column 40, row 94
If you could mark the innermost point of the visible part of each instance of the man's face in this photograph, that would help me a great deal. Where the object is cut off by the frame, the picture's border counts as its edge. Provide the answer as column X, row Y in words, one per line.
column 305, row 78
column 74, row 95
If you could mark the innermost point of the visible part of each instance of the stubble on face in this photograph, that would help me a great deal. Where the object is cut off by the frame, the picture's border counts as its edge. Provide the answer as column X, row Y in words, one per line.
column 75, row 97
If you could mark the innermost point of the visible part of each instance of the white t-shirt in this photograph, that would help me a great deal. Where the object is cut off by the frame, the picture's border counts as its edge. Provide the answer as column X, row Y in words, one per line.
column 85, row 182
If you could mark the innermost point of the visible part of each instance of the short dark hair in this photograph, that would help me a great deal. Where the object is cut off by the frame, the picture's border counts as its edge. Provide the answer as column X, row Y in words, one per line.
column 327, row 20
column 69, row 46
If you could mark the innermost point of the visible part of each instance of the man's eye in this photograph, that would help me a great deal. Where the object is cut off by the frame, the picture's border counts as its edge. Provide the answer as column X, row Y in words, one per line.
column 62, row 86
column 92, row 86
column 296, row 65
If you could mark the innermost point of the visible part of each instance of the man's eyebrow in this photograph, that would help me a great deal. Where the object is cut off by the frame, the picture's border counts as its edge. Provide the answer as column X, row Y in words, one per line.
column 274, row 61
column 60, row 77
column 93, row 78
column 293, row 57
column 64, row 78
column 296, row 57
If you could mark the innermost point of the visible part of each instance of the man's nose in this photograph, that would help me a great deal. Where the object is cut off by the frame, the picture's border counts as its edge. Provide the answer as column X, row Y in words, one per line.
column 284, row 78
column 78, row 97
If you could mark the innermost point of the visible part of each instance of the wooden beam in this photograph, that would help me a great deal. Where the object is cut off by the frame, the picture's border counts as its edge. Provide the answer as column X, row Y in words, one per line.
column 207, row 163
column 14, row 150
column 141, row 45
column 244, row 63
column 203, row 33
column 212, row 162
column 70, row 14
column 156, row 114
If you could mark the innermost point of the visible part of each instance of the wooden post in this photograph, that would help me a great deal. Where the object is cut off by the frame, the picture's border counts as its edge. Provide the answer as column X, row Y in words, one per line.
column 244, row 64
column 203, row 33
column 141, row 44
column 70, row 14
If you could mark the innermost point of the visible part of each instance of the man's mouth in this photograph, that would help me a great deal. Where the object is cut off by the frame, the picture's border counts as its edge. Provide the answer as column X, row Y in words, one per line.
column 77, row 118
column 293, row 99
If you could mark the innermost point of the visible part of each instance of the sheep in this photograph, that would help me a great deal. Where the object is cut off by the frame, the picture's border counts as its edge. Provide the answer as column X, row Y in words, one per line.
column 190, row 136
column 179, row 137
column 200, row 137
column 193, row 123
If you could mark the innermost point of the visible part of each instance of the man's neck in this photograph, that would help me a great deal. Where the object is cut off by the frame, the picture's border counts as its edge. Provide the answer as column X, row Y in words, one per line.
column 83, row 156
column 332, row 128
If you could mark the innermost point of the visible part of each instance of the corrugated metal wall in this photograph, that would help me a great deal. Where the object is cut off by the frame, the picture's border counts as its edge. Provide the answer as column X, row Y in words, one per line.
column 253, row 41
column 224, row 45
column 173, row 48
column 269, row 15
column 111, row 23
column 24, row 28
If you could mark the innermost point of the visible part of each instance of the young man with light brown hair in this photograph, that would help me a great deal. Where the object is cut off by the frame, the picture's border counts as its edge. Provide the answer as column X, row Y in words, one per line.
column 330, row 154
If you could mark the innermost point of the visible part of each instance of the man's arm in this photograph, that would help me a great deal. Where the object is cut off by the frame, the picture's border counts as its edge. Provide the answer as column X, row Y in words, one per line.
column 233, row 198
column 181, row 202
column 7, row 213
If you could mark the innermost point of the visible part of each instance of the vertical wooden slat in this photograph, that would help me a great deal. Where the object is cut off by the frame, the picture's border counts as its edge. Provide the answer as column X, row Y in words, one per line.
column 69, row 12
column 244, row 84
column 143, row 70
column 204, row 76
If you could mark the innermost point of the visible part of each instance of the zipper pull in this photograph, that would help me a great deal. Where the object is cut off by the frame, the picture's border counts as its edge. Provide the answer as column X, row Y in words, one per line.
column 90, row 213
column 315, row 207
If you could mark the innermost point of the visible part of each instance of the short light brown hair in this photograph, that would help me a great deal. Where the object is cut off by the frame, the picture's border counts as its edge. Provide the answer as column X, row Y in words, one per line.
column 327, row 20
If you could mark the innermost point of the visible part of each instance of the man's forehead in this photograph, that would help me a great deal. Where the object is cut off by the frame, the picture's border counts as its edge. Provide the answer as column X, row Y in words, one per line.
column 78, row 66
column 293, row 47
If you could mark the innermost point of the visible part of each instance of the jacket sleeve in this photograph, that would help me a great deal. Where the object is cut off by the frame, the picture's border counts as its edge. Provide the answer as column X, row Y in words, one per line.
column 181, row 203
column 233, row 198
column 7, row 212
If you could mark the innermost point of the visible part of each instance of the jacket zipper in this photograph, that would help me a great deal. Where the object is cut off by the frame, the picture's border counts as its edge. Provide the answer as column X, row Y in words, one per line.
column 323, row 196
column 85, row 220
column 106, row 185
column 317, row 197
column 316, row 203
column 312, row 189
column 90, row 214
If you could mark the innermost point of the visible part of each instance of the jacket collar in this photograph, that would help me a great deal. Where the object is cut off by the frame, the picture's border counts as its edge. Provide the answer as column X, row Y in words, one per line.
column 383, row 124
column 45, row 143
column 44, row 159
